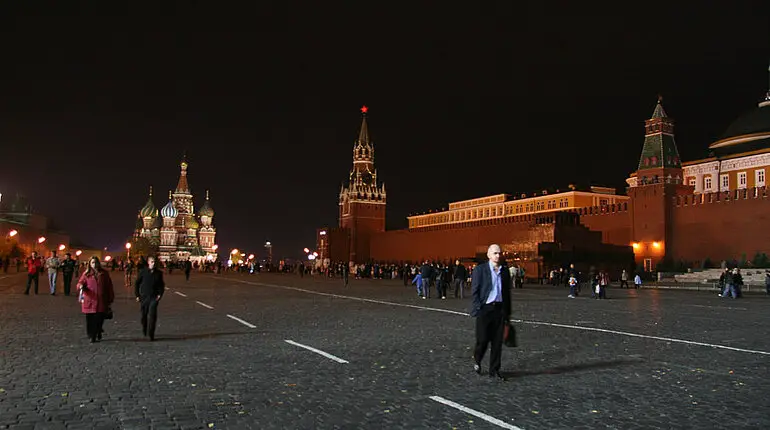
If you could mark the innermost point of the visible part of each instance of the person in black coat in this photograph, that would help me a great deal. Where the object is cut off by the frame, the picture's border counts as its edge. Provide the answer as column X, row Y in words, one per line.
column 491, row 291
column 149, row 288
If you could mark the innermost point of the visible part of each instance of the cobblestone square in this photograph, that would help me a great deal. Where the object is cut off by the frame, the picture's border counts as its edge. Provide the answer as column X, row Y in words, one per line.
column 279, row 351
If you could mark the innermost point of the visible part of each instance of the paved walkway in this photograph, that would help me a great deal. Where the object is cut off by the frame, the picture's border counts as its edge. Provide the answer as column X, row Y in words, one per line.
column 277, row 351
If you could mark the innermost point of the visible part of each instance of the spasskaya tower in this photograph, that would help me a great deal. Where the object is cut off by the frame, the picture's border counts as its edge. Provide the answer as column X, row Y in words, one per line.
column 362, row 199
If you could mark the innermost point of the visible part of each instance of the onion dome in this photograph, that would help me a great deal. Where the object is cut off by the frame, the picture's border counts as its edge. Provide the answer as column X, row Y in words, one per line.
column 169, row 211
column 206, row 209
column 192, row 223
column 149, row 210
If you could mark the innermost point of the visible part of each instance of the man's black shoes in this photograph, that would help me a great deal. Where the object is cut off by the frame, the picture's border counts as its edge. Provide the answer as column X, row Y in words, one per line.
column 497, row 376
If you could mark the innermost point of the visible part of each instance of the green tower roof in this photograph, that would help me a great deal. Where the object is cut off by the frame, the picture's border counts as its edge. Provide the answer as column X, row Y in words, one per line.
column 659, row 149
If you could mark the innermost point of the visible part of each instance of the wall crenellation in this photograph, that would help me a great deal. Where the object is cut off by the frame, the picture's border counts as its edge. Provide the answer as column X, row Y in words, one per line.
column 754, row 193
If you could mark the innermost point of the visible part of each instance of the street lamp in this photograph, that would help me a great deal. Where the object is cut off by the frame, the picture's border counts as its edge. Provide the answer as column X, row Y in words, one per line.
column 108, row 258
column 306, row 250
column 315, row 254
column 62, row 247
column 269, row 248
column 251, row 256
column 12, row 233
column 128, row 250
column 234, row 251
column 40, row 239
column 78, row 252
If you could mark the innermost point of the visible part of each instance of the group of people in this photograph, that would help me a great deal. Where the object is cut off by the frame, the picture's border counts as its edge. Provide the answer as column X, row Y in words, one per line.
column 97, row 295
column 95, row 289
column 52, row 265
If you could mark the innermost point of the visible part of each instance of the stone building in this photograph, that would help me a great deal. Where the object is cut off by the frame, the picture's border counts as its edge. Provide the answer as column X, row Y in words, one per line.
column 176, row 230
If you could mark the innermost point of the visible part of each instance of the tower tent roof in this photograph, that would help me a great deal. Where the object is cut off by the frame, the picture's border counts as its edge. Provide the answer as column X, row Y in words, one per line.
column 182, row 187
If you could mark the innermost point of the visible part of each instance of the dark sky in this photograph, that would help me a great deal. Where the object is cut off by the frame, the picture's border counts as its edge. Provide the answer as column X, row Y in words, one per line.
column 96, row 103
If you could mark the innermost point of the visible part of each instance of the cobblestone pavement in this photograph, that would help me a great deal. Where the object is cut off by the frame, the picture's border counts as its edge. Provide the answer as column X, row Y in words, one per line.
column 663, row 360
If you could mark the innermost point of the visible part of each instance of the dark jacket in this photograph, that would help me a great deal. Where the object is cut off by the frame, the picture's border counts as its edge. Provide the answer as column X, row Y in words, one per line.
column 461, row 273
column 426, row 271
column 481, row 286
column 68, row 266
column 149, row 284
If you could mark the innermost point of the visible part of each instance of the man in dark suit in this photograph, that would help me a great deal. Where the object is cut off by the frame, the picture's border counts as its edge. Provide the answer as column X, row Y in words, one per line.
column 148, row 289
column 491, row 291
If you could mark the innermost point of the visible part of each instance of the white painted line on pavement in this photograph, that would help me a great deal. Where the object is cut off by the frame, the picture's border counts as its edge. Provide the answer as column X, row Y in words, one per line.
column 247, row 324
column 181, row 294
column 665, row 339
column 318, row 351
column 465, row 314
column 361, row 299
column 475, row 413
column 719, row 307
column 204, row 305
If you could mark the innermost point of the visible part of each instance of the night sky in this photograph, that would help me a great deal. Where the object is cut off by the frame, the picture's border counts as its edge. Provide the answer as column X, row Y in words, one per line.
column 96, row 104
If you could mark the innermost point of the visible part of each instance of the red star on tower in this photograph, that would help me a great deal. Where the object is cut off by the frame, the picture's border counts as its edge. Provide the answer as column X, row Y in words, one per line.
column 364, row 109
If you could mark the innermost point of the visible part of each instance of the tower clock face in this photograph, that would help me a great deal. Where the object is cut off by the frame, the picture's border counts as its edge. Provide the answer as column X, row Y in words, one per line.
column 367, row 178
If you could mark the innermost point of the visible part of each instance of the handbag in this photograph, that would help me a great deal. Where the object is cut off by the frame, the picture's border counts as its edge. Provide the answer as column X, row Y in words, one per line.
column 509, row 335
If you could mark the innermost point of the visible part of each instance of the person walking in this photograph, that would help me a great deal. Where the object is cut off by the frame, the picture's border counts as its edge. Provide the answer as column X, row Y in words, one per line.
column 149, row 288
column 68, row 267
column 129, row 273
column 460, row 277
column 34, row 266
column 187, row 269
column 624, row 279
column 491, row 291
column 97, row 295
column 52, row 264
column 345, row 274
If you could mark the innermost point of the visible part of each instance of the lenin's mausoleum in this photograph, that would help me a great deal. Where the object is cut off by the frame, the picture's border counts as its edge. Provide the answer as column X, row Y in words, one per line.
column 715, row 209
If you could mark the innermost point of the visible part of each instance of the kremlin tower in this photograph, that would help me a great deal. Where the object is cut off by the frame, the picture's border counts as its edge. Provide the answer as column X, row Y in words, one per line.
column 362, row 201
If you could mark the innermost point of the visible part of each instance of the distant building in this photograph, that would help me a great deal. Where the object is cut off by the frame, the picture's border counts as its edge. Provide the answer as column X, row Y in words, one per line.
column 177, row 232
column 21, row 229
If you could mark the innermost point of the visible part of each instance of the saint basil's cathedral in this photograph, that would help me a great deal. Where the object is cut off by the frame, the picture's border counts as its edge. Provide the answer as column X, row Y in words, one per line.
column 176, row 231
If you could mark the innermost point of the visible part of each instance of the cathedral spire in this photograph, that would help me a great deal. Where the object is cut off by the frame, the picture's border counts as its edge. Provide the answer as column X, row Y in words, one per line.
column 182, row 187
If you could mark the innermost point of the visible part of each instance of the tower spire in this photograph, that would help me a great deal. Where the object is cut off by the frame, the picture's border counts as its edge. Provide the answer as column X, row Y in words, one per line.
column 659, row 149
column 363, row 135
column 182, row 187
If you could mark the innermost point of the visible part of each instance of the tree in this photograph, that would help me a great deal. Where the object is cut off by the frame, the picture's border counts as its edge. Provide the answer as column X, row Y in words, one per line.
column 142, row 246
column 760, row 260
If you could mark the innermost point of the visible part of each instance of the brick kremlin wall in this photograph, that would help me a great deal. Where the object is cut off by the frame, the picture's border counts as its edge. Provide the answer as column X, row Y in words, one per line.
column 720, row 226
column 442, row 244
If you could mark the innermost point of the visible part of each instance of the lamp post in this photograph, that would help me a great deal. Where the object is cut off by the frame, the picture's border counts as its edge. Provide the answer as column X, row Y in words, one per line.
column 40, row 241
column 269, row 248
column 128, row 250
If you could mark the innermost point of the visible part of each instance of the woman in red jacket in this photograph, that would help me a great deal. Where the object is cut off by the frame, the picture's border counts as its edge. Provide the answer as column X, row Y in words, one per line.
column 96, row 295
